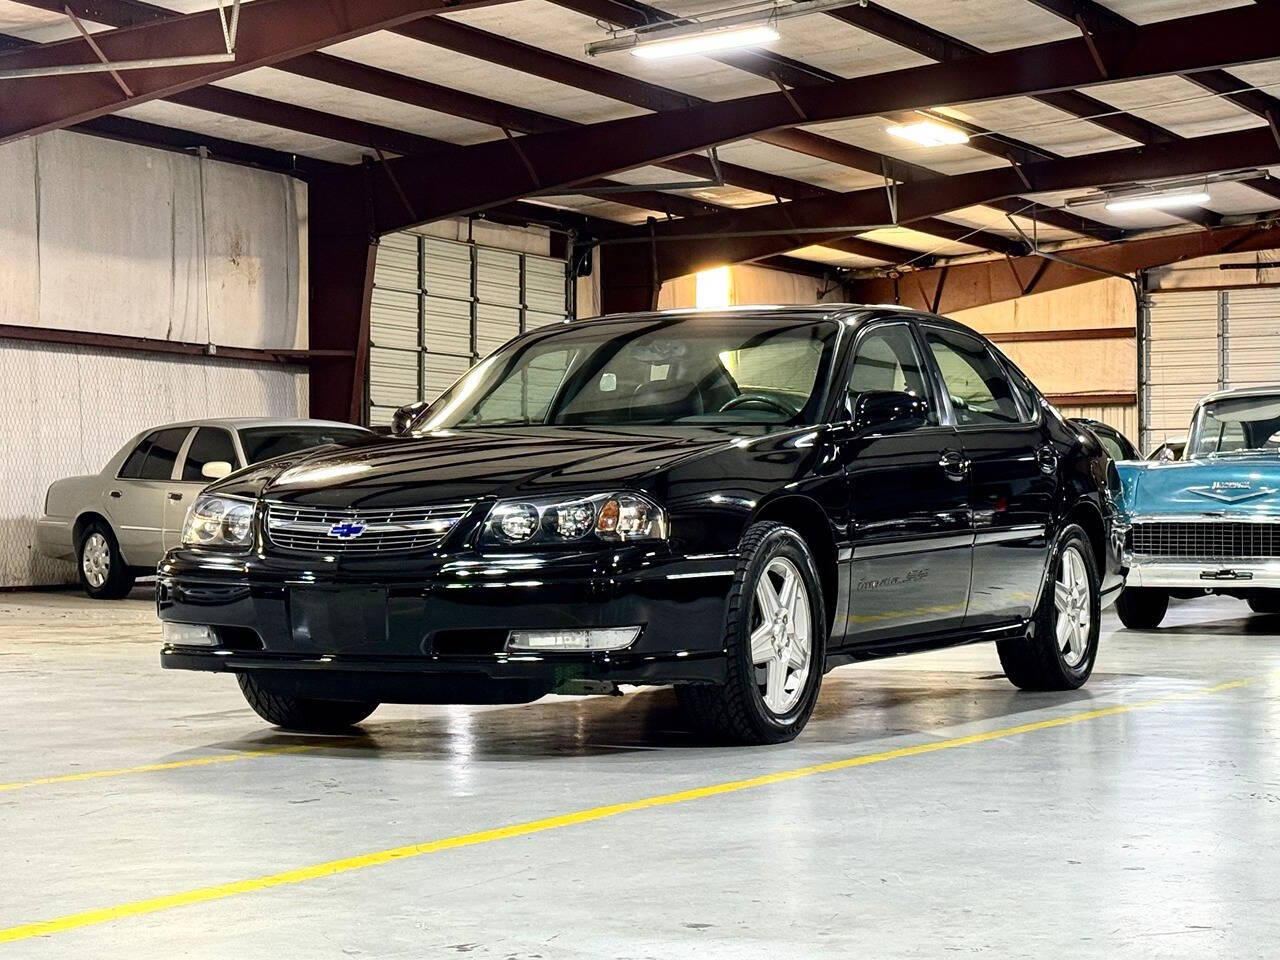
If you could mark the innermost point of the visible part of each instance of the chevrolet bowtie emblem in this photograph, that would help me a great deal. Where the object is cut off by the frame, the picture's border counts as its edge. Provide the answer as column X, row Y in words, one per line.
column 1231, row 491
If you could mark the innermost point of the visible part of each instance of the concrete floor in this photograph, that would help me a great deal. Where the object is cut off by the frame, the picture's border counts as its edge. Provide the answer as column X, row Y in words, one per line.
column 1151, row 832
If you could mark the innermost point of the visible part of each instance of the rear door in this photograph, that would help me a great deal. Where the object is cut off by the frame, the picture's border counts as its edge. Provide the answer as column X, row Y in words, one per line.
column 911, row 531
column 1013, row 468
column 208, row 445
column 137, row 499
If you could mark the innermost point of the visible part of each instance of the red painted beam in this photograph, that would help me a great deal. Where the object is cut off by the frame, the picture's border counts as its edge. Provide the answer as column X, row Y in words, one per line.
column 977, row 284
column 270, row 31
column 484, row 174
column 757, row 232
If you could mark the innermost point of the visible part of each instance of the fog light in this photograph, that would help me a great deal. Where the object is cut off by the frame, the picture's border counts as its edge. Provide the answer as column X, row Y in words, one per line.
column 606, row 638
column 189, row 635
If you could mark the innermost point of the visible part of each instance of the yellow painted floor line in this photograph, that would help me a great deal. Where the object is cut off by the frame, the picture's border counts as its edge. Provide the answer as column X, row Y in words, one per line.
column 167, row 765
column 73, row 921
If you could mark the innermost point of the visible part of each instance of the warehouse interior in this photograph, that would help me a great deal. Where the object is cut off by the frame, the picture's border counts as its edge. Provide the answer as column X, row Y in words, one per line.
column 287, row 210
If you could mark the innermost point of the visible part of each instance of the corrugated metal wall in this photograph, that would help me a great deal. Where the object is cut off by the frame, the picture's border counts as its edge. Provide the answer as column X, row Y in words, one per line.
column 1199, row 341
column 68, row 409
column 439, row 306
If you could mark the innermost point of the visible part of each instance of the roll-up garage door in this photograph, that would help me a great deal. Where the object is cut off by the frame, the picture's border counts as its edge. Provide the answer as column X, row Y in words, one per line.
column 1199, row 341
column 439, row 306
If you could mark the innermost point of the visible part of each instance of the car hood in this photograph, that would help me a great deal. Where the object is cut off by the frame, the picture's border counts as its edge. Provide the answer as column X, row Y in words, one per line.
column 461, row 465
column 1246, row 485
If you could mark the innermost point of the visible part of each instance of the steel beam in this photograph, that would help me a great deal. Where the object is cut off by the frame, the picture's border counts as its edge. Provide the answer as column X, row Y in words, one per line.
column 977, row 284
column 679, row 247
column 476, row 43
column 271, row 31
column 1093, row 16
column 481, row 175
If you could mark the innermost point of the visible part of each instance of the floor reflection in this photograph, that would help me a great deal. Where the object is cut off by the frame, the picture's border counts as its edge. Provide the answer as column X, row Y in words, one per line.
column 855, row 707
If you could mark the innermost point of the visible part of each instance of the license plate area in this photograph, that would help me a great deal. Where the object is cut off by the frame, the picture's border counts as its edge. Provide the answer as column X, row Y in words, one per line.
column 349, row 620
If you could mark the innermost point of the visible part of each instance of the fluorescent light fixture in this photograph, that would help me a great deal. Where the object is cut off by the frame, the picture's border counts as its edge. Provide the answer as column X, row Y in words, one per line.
column 928, row 133
column 1168, row 200
column 749, row 24
column 705, row 43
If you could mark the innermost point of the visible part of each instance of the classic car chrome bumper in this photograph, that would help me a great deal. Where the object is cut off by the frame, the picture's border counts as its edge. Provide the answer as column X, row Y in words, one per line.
column 1203, row 574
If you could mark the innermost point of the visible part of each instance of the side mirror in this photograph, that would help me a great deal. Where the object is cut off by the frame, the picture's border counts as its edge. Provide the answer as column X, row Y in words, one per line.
column 215, row 469
column 404, row 417
column 889, row 411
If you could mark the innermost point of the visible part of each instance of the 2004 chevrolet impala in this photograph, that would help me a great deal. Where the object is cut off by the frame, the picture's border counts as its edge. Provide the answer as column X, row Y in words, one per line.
column 730, row 502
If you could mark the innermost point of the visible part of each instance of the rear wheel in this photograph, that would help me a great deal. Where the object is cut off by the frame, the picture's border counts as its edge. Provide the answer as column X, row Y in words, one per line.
column 302, row 713
column 1267, row 604
column 102, row 569
column 1063, row 642
column 1141, row 608
column 775, row 638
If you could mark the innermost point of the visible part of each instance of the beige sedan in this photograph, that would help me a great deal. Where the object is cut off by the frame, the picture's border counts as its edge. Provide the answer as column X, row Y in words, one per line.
column 117, row 524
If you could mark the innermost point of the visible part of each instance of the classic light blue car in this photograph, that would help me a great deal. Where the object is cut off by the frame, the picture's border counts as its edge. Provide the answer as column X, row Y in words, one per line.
column 1209, row 523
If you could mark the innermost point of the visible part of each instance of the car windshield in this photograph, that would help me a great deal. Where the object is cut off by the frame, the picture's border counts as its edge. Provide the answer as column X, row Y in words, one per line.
column 1236, row 424
column 264, row 443
column 693, row 369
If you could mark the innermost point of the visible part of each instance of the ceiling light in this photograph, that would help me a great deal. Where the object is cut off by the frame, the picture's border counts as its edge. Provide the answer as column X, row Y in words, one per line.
column 706, row 42
column 1168, row 200
column 928, row 133
column 752, row 23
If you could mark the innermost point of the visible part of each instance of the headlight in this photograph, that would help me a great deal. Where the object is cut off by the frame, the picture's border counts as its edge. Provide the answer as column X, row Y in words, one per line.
column 613, row 517
column 216, row 521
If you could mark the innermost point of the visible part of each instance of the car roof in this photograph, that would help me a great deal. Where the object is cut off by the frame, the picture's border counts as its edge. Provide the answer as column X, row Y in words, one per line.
column 800, row 313
column 245, row 423
column 1262, row 391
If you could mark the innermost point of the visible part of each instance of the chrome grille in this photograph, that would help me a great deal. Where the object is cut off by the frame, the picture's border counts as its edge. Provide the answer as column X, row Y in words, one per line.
column 308, row 529
column 1205, row 540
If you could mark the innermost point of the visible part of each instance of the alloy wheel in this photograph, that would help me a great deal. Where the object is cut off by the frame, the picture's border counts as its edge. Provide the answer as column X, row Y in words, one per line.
column 95, row 560
column 1073, row 602
column 781, row 635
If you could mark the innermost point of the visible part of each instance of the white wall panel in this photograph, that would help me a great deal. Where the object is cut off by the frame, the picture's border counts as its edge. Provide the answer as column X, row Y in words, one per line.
column 110, row 237
column 66, row 410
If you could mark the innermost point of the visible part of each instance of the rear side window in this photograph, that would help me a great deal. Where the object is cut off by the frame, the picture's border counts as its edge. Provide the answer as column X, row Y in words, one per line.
column 976, row 382
column 210, row 445
column 133, row 464
column 163, row 453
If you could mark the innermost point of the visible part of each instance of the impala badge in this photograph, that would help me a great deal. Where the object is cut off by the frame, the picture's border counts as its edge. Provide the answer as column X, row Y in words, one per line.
column 1231, row 491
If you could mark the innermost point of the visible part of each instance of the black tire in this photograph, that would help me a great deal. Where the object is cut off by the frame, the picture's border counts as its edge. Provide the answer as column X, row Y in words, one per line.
column 1267, row 604
column 301, row 713
column 1042, row 661
column 1142, row 608
column 736, row 711
column 98, row 559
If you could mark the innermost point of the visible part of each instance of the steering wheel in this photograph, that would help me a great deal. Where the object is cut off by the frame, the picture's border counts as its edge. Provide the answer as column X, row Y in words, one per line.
column 746, row 398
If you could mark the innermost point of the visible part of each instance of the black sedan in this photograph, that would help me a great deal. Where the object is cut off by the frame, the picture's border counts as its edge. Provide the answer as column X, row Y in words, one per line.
column 731, row 502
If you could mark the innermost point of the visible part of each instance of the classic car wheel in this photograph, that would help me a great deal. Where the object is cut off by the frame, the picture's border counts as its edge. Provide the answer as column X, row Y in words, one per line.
column 1063, row 642
column 1141, row 608
column 302, row 713
column 103, row 572
column 775, row 638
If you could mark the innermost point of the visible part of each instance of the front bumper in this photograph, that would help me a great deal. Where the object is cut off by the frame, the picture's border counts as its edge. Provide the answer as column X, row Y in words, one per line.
column 1212, row 575
column 435, row 630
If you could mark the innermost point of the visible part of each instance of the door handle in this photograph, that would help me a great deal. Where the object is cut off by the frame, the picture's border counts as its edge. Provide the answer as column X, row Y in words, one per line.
column 1047, row 457
column 954, row 465
column 175, row 496
column 114, row 494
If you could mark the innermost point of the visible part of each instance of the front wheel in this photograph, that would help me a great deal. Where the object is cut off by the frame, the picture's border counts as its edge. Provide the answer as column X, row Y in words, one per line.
column 775, row 641
column 302, row 713
column 1060, row 650
column 1141, row 608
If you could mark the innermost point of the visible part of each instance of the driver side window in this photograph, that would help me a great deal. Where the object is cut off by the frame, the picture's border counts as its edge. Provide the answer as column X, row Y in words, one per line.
column 887, row 359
